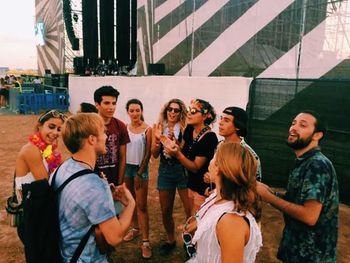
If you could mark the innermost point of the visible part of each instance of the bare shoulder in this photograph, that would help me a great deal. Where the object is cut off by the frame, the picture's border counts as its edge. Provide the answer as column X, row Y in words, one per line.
column 230, row 219
column 29, row 151
column 145, row 126
column 232, row 224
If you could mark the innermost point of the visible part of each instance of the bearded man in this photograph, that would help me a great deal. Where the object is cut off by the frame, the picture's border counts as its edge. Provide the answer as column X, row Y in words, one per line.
column 311, row 202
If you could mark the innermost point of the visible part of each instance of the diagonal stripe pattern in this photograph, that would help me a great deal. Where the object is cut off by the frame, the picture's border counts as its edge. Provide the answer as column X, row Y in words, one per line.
column 249, row 24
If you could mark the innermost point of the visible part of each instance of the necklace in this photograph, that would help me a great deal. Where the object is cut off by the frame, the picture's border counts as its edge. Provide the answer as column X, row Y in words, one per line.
column 48, row 151
column 80, row 161
column 199, row 135
column 195, row 140
column 136, row 125
column 209, row 206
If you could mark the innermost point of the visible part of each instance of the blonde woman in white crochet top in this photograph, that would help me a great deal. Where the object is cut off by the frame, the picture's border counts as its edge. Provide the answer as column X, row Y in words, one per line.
column 226, row 227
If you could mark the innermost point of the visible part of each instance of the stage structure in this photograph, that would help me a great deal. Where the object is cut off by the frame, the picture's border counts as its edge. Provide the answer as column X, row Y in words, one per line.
column 100, row 32
column 49, row 34
column 253, row 38
column 265, row 38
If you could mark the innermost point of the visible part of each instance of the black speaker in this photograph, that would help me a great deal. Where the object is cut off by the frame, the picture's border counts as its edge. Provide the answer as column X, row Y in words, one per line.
column 47, row 71
column 79, row 65
column 75, row 44
column 156, row 69
column 55, row 80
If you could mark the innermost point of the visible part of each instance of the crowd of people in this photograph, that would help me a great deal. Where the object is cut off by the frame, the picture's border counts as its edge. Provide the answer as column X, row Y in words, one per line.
column 219, row 183
column 11, row 81
column 6, row 84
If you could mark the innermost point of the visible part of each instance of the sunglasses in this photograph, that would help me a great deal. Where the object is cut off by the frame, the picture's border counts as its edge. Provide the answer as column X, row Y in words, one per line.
column 175, row 110
column 188, row 246
column 192, row 111
column 52, row 114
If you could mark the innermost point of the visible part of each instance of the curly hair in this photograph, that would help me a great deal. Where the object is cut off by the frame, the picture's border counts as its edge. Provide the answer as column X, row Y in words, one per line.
column 237, row 170
column 206, row 108
column 163, row 117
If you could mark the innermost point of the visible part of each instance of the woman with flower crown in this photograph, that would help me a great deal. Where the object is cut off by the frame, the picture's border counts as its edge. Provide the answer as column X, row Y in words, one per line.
column 199, row 147
column 39, row 157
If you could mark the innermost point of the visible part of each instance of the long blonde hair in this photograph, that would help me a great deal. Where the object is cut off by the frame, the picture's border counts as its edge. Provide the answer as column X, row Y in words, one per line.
column 163, row 117
column 237, row 170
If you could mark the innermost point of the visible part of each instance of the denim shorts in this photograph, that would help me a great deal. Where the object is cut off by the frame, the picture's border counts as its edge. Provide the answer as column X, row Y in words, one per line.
column 171, row 176
column 131, row 170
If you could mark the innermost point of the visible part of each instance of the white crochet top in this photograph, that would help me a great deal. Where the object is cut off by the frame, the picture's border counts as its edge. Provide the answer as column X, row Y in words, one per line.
column 208, row 247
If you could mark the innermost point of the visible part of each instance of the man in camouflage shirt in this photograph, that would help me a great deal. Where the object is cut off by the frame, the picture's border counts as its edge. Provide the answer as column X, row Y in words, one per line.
column 311, row 203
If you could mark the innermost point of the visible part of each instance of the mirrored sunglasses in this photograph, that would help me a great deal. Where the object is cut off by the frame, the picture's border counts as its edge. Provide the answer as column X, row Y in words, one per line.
column 187, row 238
column 175, row 110
column 191, row 250
column 192, row 111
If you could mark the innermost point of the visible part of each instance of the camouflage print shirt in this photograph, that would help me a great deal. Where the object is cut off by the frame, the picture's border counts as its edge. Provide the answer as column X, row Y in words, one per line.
column 313, row 178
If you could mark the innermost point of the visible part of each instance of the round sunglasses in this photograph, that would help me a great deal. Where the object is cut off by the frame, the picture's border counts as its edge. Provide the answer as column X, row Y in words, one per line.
column 192, row 111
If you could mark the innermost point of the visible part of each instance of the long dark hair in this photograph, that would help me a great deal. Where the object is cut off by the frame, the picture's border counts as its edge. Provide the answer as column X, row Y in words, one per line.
column 135, row 101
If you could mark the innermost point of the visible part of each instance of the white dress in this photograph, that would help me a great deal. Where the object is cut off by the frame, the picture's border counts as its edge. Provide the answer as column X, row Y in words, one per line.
column 208, row 247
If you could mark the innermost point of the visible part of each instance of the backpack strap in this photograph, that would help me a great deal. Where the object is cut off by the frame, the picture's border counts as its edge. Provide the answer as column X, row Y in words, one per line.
column 85, row 238
column 81, row 245
column 71, row 178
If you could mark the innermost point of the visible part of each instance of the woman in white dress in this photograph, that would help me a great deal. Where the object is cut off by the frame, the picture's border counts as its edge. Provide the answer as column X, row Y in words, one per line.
column 225, row 225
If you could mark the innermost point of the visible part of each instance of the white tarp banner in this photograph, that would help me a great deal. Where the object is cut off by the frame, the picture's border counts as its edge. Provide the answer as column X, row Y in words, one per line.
column 155, row 91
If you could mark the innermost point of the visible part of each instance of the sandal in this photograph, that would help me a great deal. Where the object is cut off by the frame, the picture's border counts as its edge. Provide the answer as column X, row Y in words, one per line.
column 146, row 250
column 131, row 234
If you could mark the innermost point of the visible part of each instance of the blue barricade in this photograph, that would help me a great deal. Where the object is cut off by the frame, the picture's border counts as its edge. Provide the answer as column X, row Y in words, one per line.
column 28, row 103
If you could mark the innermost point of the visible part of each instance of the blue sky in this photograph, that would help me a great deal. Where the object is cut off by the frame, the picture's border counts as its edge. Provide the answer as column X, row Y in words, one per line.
column 17, row 43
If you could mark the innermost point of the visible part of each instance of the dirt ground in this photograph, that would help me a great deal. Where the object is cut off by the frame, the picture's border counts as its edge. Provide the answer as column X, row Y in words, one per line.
column 14, row 130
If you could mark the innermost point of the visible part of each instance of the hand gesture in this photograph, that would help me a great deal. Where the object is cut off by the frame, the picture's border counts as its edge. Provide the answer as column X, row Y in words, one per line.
column 167, row 142
column 158, row 131
column 122, row 194
column 103, row 176
column 171, row 148
column 206, row 178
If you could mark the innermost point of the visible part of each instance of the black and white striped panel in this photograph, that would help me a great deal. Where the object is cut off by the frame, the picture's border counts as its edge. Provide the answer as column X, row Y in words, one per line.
column 246, row 37
column 51, row 55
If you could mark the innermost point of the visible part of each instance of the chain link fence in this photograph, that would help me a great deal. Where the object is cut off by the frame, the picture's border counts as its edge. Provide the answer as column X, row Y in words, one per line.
column 272, row 105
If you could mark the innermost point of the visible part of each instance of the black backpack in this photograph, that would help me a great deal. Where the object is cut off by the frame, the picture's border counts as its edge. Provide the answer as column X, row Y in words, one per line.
column 40, row 228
